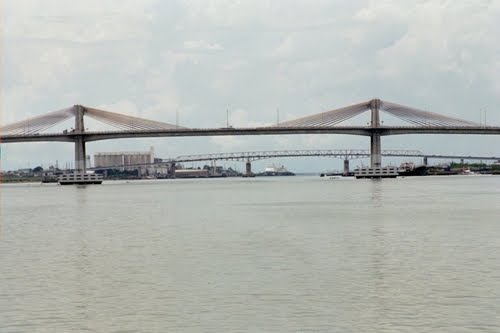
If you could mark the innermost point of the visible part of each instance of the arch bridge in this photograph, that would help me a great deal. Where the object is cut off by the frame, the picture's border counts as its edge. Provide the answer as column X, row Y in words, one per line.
column 251, row 156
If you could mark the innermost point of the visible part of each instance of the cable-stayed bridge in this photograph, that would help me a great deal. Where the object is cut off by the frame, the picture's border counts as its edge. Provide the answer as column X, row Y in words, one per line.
column 330, row 122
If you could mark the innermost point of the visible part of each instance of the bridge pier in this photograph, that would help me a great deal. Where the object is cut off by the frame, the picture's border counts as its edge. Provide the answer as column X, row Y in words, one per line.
column 248, row 169
column 80, row 155
column 375, row 151
column 171, row 170
column 214, row 168
column 425, row 160
column 346, row 166
column 80, row 151
column 375, row 144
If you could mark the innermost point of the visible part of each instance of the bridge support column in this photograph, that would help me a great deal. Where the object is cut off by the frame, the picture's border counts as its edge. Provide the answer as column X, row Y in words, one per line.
column 171, row 170
column 425, row 160
column 375, row 151
column 248, row 169
column 375, row 146
column 214, row 169
column 346, row 166
column 80, row 151
column 80, row 155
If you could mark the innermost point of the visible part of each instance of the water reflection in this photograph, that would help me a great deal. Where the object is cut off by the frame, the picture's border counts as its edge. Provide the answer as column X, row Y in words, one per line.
column 376, row 189
column 82, row 296
column 275, row 256
column 380, row 294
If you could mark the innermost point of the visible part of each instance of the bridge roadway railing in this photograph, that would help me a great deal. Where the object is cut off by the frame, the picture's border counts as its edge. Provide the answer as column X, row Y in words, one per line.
column 89, row 136
column 259, row 155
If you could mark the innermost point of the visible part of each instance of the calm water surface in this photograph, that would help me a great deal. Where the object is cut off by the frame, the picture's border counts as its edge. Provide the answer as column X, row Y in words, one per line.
column 252, row 255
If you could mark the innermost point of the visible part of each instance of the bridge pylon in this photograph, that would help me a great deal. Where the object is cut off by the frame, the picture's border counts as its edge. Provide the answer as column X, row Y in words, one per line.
column 375, row 144
column 80, row 150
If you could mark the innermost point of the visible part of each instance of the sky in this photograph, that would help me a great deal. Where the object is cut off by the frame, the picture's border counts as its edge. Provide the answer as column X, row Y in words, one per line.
column 195, row 62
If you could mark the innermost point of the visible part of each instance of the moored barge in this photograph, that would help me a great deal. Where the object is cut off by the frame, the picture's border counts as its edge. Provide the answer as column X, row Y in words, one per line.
column 381, row 172
column 80, row 178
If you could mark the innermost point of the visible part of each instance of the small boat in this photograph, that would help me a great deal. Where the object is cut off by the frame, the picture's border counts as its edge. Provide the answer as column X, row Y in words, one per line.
column 80, row 178
column 468, row 172
column 410, row 169
column 49, row 179
column 341, row 177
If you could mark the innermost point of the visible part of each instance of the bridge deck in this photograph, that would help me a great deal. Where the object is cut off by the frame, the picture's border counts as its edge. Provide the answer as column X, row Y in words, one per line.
column 348, row 130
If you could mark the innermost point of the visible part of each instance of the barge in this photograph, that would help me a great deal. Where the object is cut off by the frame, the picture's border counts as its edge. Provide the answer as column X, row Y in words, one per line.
column 80, row 178
column 381, row 172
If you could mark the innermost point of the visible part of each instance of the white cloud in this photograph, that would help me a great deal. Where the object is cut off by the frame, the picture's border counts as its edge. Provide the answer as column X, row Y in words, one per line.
column 80, row 22
column 438, row 38
column 228, row 143
column 201, row 45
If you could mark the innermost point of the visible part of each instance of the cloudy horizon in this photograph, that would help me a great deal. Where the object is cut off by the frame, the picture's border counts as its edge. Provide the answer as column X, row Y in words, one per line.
column 194, row 61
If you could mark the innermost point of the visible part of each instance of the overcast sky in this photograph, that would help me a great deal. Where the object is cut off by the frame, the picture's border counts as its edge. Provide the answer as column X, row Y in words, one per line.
column 197, row 59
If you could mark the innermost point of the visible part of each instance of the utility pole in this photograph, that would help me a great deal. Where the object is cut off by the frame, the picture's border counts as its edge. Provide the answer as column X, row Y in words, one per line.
column 482, row 116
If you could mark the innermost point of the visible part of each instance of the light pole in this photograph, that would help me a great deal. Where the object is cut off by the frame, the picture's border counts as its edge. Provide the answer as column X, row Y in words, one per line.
column 482, row 115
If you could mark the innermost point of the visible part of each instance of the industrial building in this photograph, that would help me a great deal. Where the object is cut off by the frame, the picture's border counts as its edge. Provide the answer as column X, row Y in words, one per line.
column 114, row 159
column 127, row 161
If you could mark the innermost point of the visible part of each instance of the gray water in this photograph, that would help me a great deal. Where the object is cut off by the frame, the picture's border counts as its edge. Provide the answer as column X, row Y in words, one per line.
column 252, row 255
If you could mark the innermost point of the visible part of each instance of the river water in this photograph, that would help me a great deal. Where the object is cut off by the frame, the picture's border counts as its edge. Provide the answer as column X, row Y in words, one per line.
column 279, row 254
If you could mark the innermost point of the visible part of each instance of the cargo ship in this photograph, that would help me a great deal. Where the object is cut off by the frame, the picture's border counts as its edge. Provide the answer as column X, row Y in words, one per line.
column 409, row 169
column 275, row 171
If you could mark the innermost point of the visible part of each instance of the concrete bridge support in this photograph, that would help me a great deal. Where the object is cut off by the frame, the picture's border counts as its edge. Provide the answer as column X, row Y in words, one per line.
column 425, row 160
column 375, row 145
column 171, row 170
column 213, row 172
column 248, row 169
column 375, row 151
column 80, row 152
column 80, row 163
column 346, row 166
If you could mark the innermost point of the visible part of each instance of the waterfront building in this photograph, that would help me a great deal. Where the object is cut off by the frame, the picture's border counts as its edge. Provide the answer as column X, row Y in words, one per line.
column 124, row 159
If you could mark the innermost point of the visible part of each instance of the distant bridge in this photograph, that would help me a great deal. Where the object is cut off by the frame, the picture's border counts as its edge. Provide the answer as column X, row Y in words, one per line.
column 422, row 122
column 345, row 154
